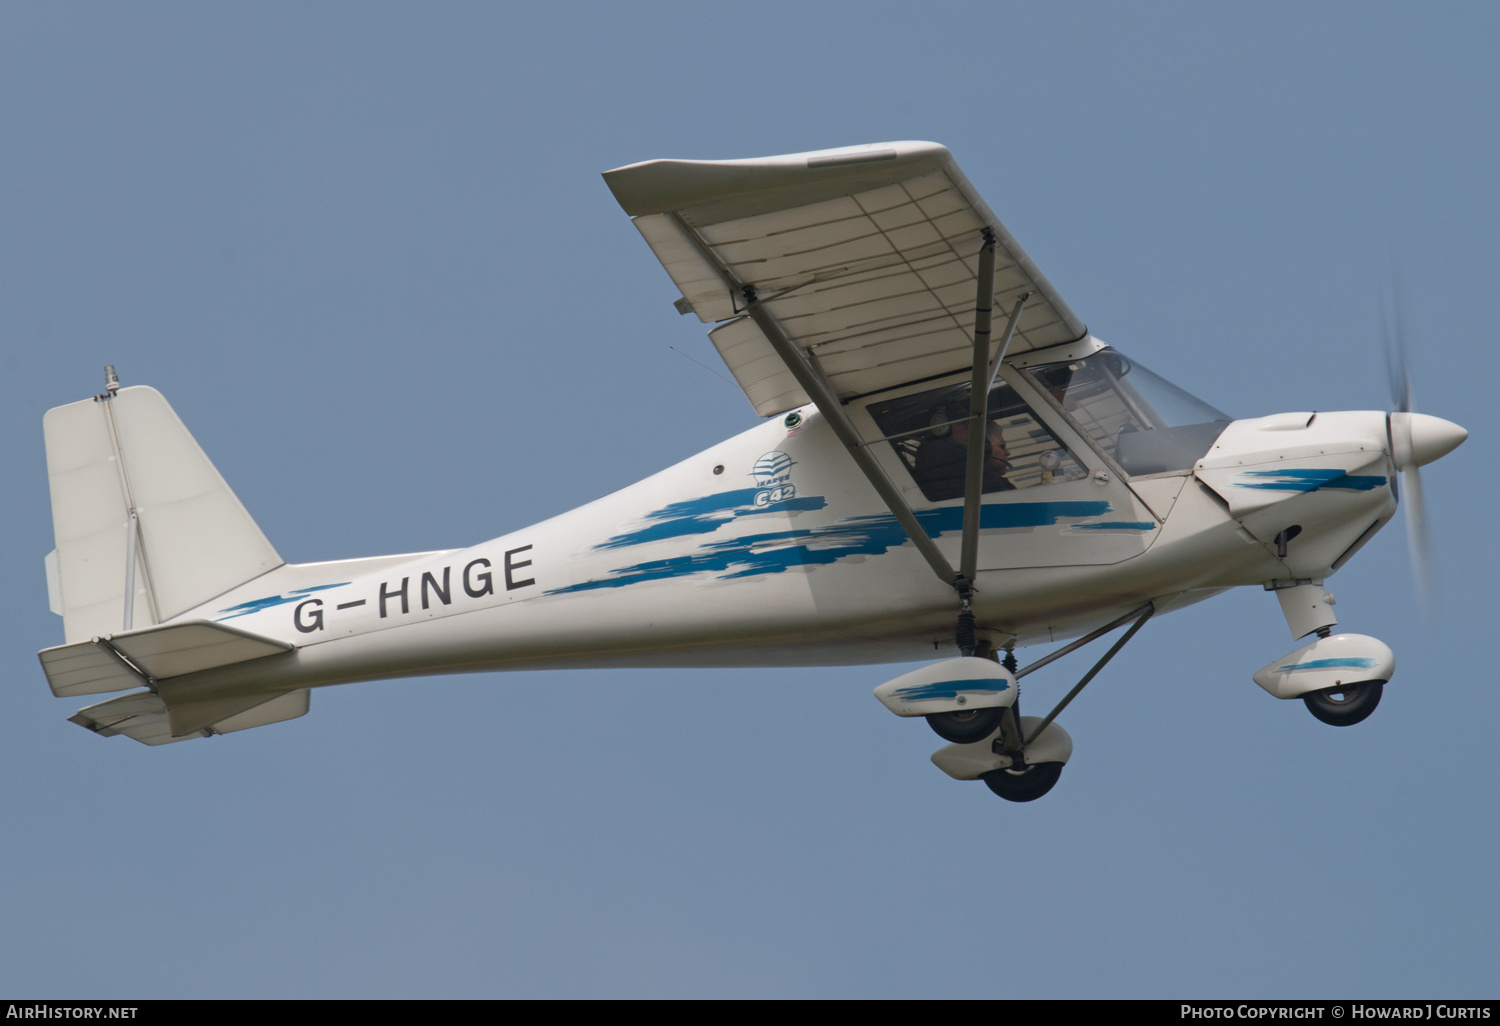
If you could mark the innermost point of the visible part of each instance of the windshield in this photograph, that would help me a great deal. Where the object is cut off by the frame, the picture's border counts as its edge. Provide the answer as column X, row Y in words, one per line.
column 1146, row 424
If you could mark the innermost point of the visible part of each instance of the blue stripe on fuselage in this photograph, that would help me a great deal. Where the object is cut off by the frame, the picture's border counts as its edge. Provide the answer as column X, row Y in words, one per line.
column 778, row 551
column 705, row 515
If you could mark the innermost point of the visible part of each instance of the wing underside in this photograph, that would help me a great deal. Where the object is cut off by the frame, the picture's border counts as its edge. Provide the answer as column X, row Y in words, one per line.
column 866, row 257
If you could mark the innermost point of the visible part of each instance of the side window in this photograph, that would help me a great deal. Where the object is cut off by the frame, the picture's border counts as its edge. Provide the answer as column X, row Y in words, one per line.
column 930, row 432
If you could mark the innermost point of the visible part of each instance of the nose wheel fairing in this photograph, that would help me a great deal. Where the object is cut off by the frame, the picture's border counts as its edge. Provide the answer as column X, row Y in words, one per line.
column 1327, row 663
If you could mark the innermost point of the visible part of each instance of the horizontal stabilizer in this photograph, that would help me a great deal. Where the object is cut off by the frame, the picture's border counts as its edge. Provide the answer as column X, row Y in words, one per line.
column 129, row 659
column 143, row 716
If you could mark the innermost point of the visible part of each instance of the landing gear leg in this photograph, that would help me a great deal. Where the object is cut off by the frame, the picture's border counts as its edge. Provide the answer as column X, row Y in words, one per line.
column 1021, row 781
column 1024, row 781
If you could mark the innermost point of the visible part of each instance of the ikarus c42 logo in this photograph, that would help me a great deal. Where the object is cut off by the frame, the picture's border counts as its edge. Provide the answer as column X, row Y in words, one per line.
column 773, row 477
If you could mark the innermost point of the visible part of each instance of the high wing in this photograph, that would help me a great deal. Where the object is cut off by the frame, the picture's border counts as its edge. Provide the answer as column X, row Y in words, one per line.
column 865, row 257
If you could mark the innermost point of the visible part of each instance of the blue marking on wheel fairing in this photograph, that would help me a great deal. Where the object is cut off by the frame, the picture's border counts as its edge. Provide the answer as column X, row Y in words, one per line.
column 1119, row 525
column 1309, row 479
column 1350, row 662
column 270, row 602
column 776, row 552
column 949, row 689
column 705, row 515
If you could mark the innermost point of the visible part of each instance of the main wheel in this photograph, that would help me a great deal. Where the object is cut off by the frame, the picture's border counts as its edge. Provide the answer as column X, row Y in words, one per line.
column 967, row 725
column 1026, row 784
column 1346, row 704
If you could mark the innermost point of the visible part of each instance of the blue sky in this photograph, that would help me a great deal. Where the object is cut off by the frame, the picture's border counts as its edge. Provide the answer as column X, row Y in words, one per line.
column 365, row 251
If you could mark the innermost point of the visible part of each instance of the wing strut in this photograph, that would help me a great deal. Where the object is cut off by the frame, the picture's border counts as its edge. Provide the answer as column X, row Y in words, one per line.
column 818, row 390
column 985, row 369
column 982, row 381
column 984, row 300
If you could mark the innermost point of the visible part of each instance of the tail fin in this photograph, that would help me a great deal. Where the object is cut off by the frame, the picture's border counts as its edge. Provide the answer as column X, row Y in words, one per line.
column 138, row 511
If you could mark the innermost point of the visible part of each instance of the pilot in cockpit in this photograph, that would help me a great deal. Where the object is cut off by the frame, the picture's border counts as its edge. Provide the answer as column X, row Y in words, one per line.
column 942, row 461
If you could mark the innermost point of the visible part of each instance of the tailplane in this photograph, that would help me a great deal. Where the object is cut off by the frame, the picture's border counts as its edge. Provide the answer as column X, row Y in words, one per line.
column 144, row 717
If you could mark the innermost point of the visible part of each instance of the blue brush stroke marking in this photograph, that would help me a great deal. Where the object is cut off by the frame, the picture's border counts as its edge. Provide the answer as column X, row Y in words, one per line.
column 1309, row 479
column 1002, row 514
column 270, row 602
column 778, row 551
column 705, row 515
column 1355, row 663
column 1356, row 483
column 949, row 689
column 1119, row 525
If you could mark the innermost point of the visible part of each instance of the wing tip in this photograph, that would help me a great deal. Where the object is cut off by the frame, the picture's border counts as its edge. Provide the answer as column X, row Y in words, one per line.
column 661, row 185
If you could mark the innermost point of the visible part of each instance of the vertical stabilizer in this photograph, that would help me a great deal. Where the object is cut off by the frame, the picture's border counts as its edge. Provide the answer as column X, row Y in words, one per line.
column 137, row 505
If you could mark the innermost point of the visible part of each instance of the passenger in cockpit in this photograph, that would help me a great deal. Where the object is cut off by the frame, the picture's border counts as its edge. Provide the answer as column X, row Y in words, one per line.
column 942, row 461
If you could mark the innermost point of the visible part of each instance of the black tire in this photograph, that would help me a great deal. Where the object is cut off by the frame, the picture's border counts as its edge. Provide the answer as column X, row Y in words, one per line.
column 1345, row 705
column 967, row 725
column 1026, row 784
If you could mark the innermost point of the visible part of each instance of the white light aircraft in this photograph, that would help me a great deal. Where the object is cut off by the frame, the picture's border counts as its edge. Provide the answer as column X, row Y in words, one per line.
column 863, row 521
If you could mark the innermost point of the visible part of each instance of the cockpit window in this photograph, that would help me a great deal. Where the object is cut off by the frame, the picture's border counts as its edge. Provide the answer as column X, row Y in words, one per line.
column 1144, row 422
column 930, row 432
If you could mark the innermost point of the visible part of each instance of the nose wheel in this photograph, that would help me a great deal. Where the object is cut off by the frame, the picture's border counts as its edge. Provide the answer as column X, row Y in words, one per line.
column 1345, row 705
